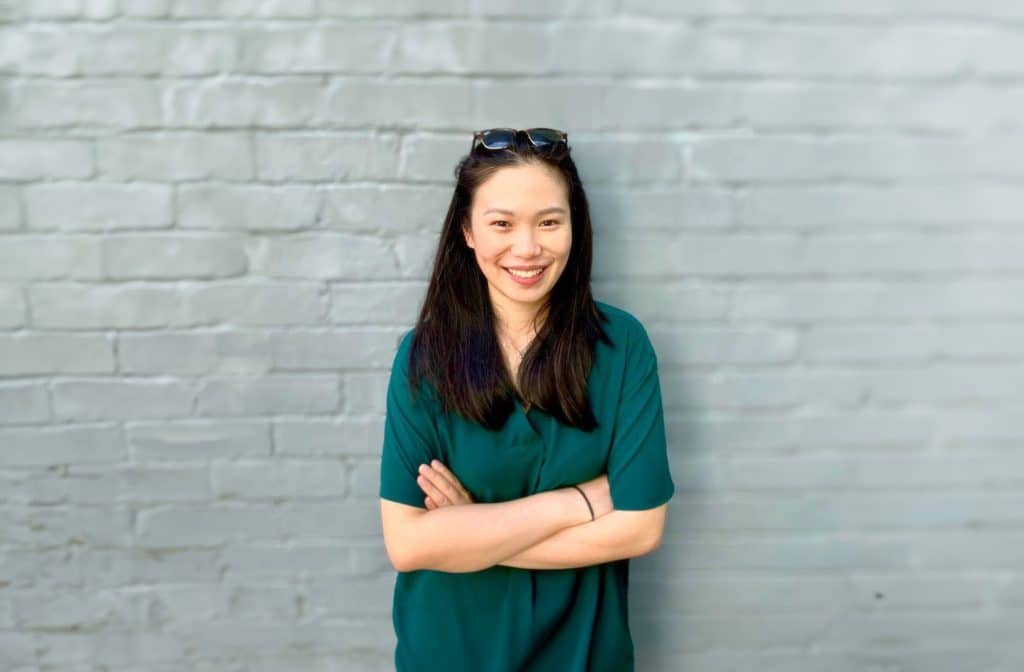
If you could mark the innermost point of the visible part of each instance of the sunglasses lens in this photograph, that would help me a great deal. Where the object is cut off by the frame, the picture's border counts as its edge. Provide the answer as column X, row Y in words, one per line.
column 545, row 136
column 498, row 138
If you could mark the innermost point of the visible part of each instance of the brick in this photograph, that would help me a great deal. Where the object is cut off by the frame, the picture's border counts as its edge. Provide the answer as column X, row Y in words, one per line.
column 268, row 395
column 358, row 348
column 665, row 209
column 350, row 595
column 64, row 525
column 188, row 156
column 10, row 209
column 278, row 478
column 389, row 208
column 28, row 159
column 376, row 303
column 248, row 207
column 106, row 306
column 194, row 353
column 146, row 8
column 44, row 446
column 66, row 9
column 52, row 354
column 395, row 8
column 12, row 307
column 97, row 207
column 453, row 48
column 35, row 51
column 129, row 256
column 315, row 438
column 28, row 257
column 653, row 301
column 325, row 157
column 222, row 9
column 415, row 254
column 24, row 402
column 366, row 392
column 863, row 207
column 233, row 103
column 256, row 305
column 152, row 49
column 175, row 526
column 327, row 256
column 198, row 440
column 122, row 399
column 426, row 102
column 811, row 159
column 97, row 102
column 363, row 47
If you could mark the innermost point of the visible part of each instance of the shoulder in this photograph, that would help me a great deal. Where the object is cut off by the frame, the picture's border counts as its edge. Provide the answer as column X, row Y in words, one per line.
column 400, row 358
column 401, row 367
column 622, row 323
column 404, row 346
column 631, row 342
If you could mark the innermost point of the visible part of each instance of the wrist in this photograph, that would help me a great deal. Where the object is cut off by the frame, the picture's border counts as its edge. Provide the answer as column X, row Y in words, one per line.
column 576, row 510
column 590, row 507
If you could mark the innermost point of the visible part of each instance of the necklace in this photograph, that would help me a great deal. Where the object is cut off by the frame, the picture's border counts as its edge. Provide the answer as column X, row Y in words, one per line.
column 522, row 353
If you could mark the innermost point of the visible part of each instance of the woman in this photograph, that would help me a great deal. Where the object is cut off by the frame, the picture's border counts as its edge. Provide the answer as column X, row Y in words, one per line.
column 524, row 458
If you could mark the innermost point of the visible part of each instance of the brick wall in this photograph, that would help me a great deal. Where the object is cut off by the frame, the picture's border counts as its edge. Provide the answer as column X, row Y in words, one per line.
column 217, row 217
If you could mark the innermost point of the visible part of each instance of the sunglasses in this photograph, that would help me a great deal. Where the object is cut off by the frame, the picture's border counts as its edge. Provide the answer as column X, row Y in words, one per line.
column 503, row 138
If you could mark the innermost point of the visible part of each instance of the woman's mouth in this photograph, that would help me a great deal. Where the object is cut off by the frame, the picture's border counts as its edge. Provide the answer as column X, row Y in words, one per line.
column 526, row 278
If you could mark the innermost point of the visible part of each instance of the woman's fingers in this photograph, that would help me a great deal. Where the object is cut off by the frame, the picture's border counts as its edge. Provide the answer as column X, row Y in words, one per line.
column 435, row 493
column 444, row 489
column 446, row 473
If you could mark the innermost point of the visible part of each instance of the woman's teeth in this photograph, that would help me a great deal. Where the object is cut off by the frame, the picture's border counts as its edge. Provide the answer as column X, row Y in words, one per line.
column 525, row 274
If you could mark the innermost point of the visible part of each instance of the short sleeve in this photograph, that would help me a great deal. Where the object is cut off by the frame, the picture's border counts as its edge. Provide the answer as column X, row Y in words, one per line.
column 410, row 434
column 638, row 469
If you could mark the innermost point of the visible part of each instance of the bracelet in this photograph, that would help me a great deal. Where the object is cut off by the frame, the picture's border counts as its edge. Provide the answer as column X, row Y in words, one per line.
column 587, row 501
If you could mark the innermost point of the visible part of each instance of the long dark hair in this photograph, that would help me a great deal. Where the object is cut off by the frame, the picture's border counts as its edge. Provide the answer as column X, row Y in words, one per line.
column 455, row 344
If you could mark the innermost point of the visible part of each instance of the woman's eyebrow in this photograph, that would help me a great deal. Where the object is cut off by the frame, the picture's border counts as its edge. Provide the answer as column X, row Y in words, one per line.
column 544, row 211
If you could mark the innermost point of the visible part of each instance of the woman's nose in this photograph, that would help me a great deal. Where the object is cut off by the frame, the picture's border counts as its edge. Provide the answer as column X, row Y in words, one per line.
column 525, row 244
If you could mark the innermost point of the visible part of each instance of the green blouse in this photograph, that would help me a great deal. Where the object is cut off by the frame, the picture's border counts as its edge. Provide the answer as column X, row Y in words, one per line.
column 508, row 619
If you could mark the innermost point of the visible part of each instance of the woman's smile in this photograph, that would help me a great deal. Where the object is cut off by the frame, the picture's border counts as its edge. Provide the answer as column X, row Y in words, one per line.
column 524, row 277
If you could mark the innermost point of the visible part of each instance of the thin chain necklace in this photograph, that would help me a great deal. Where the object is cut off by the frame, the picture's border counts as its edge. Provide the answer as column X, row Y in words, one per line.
column 522, row 353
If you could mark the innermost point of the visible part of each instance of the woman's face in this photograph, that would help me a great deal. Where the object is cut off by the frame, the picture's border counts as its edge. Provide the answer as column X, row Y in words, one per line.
column 520, row 223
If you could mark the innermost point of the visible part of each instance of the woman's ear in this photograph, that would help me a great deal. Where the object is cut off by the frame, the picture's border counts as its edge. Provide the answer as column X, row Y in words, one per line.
column 467, row 233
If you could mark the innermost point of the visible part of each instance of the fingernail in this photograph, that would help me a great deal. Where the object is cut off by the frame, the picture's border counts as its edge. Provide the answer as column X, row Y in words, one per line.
column 423, row 468
column 434, row 463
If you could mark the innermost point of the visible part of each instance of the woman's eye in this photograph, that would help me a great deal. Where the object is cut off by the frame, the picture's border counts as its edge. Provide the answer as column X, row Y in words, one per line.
column 499, row 222
column 553, row 222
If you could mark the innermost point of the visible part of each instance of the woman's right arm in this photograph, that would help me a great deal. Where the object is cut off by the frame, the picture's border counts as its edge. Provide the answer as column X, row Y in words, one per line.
column 473, row 537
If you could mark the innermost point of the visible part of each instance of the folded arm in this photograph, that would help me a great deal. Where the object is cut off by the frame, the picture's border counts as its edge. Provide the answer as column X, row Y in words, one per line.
column 614, row 536
column 473, row 537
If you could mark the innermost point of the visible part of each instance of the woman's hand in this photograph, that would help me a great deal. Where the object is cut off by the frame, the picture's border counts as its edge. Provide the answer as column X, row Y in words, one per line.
column 441, row 486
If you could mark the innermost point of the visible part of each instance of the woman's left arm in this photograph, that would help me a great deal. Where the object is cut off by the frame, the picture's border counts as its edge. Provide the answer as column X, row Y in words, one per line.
column 638, row 472
column 613, row 536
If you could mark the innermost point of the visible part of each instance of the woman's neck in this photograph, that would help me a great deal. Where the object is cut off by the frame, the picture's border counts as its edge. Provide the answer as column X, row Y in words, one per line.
column 516, row 322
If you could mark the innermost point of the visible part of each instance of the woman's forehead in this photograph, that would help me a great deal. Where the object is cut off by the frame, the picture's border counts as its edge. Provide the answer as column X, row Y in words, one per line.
column 520, row 191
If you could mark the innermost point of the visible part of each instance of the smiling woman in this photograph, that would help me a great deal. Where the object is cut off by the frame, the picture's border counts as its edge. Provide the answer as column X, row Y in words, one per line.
column 524, row 459
column 521, row 257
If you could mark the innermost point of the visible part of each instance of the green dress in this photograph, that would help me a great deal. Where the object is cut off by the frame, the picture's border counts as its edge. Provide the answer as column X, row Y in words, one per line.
column 508, row 619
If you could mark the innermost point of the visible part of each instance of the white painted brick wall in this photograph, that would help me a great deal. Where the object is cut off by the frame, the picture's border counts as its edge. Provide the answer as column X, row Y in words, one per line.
column 217, row 217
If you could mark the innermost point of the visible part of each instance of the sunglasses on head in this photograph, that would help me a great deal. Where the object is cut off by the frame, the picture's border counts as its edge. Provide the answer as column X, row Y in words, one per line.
column 503, row 138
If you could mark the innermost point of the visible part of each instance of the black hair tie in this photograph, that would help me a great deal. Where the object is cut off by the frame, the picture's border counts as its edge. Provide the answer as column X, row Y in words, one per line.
column 587, row 501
